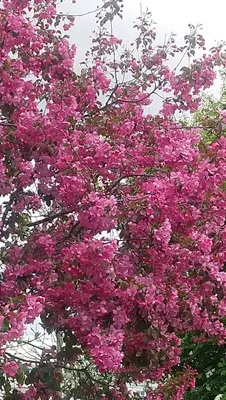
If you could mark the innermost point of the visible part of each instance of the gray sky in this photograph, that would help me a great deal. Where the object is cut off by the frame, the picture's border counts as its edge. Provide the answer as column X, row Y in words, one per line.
column 171, row 16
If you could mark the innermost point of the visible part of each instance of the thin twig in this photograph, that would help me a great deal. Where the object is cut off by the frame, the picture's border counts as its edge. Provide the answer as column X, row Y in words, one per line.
column 40, row 361
column 8, row 124
column 21, row 358
column 118, row 101
column 81, row 15
column 50, row 218
column 115, row 183
column 180, row 61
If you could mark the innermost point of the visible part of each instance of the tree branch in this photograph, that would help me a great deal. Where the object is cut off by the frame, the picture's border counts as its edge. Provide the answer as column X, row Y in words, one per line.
column 9, row 124
column 38, row 362
column 21, row 358
column 115, row 183
column 8, row 207
column 50, row 218
column 83, row 14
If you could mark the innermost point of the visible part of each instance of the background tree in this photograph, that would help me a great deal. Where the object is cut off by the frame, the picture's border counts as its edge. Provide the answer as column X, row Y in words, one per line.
column 207, row 116
column 208, row 359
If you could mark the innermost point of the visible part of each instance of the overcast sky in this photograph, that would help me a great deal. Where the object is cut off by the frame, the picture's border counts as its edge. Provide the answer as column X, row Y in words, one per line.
column 173, row 15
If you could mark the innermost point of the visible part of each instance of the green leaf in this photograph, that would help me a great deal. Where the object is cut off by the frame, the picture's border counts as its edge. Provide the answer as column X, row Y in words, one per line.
column 25, row 369
column 5, row 326
column 20, row 376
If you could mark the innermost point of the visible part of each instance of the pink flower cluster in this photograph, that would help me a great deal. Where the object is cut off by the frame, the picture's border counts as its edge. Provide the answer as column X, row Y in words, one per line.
column 113, row 220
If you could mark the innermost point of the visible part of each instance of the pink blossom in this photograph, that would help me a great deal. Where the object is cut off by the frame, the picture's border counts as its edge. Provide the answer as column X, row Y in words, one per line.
column 10, row 368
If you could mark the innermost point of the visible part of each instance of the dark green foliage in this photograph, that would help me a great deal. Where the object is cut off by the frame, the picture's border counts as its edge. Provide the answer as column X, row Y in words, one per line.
column 209, row 359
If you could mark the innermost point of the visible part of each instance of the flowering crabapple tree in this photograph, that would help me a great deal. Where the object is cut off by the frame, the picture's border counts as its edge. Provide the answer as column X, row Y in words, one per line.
column 112, row 219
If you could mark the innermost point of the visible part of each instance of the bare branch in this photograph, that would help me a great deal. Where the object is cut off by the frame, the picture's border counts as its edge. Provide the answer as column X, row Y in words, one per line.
column 50, row 218
column 81, row 15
